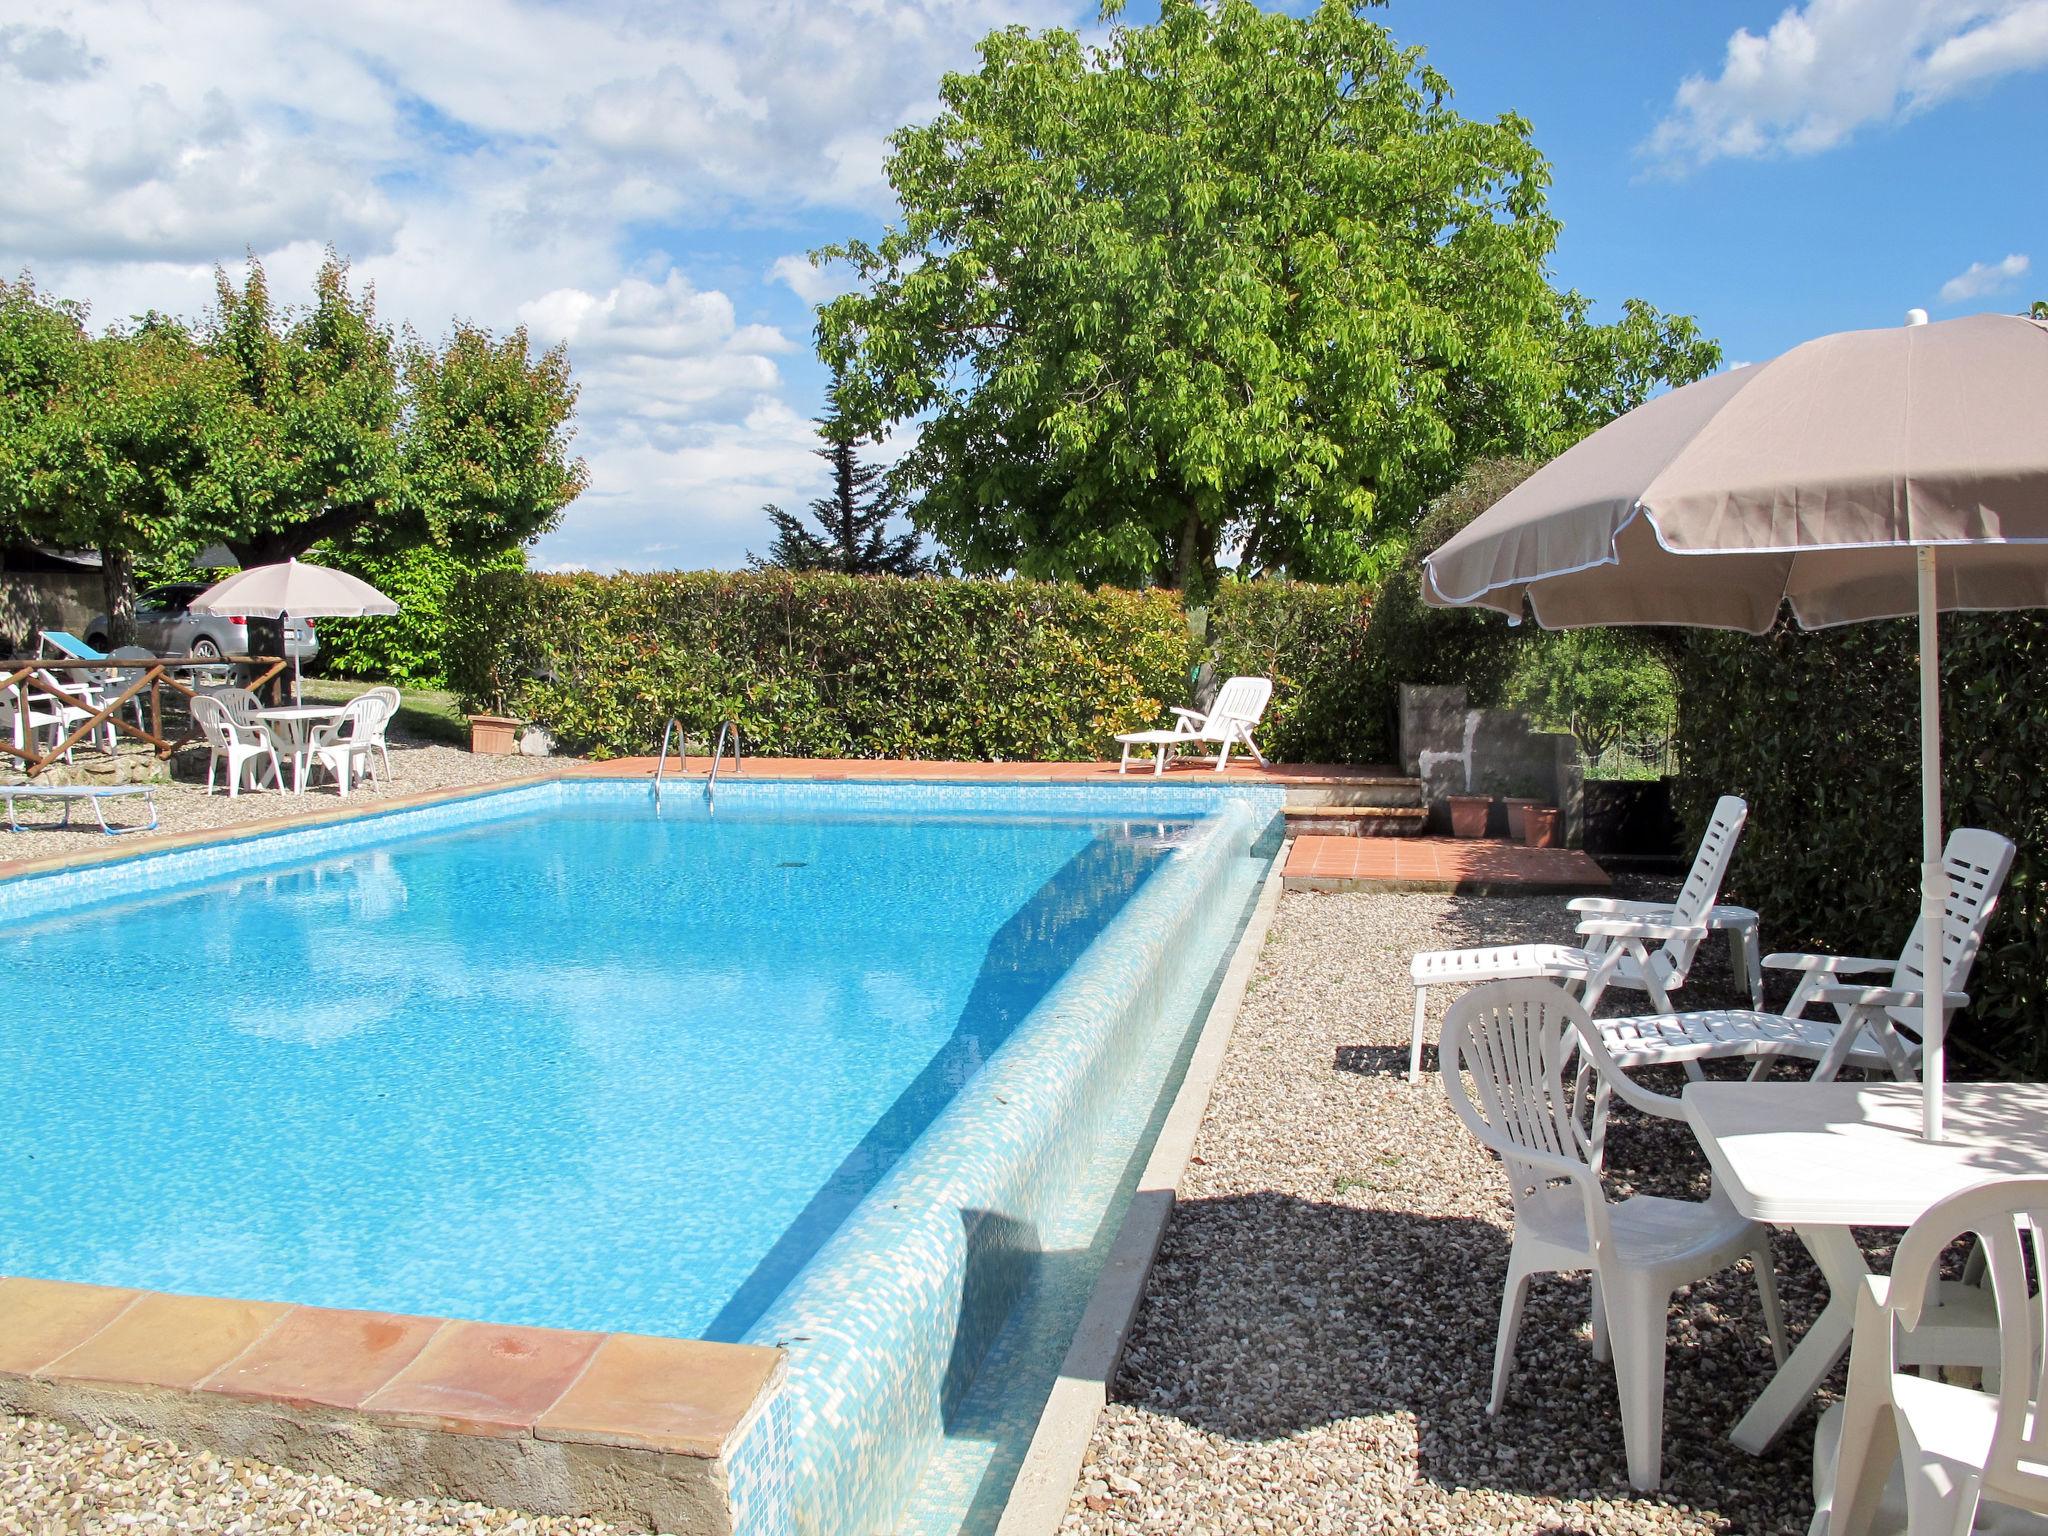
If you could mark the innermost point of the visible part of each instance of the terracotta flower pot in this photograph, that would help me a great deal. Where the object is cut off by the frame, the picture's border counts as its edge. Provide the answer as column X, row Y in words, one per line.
column 1540, row 822
column 1468, row 814
column 1517, row 808
column 493, row 735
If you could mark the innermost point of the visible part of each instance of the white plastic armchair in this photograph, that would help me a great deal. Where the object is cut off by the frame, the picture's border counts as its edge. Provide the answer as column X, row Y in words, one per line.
column 392, row 699
column 1616, row 946
column 1528, row 1047
column 346, row 742
column 1877, row 1024
column 1961, row 1446
column 245, row 744
column 1238, row 707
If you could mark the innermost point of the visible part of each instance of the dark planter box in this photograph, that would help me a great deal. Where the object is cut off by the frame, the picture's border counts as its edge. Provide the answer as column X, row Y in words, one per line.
column 1632, row 819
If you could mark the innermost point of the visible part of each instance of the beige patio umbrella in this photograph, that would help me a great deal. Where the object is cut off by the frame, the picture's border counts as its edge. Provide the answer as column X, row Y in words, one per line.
column 294, row 588
column 1865, row 475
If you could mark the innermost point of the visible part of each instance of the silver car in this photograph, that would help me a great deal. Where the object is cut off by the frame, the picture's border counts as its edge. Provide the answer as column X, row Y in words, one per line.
column 166, row 624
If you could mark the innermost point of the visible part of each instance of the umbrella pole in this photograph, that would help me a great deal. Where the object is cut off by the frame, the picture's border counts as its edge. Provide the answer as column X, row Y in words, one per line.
column 1933, row 880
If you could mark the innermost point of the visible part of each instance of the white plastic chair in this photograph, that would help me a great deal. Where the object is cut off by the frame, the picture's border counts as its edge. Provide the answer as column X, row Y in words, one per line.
column 339, row 745
column 246, row 746
column 1229, row 721
column 1527, row 1045
column 1960, row 1445
column 392, row 699
column 1616, row 952
column 1875, row 1027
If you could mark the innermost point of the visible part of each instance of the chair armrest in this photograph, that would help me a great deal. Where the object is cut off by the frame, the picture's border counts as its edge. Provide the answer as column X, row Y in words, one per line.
column 1614, row 906
column 1885, row 997
column 1193, row 717
column 1832, row 965
column 1631, row 928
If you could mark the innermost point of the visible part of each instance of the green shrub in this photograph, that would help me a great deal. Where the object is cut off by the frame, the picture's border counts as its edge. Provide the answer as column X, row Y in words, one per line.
column 1328, row 696
column 815, row 665
column 1820, row 733
column 406, row 647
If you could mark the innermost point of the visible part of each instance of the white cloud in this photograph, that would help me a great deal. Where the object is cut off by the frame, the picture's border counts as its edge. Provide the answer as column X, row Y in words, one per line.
column 1981, row 278
column 505, row 162
column 814, row 285
column 1827, row 68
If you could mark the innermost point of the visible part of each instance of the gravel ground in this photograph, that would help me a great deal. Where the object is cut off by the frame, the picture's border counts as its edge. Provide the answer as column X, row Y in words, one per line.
column 183, row 805
column 1315, row 1346
column 54, row 1479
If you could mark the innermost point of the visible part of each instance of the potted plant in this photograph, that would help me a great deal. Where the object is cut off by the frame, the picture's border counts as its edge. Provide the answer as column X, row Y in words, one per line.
column 1540, row 826
column 1518, row 806
column 494, row 734
column 1468, row 814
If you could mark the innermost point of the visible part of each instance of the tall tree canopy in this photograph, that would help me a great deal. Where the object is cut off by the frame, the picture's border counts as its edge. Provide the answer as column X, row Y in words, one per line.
column 354, row 431
column 271, row 429
column 853, row 535
column 1233, row 278
column 112, row 442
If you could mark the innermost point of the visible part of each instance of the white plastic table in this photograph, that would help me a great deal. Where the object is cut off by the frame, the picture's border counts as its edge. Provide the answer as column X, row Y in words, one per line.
column 291, row 724
column 1821, row 1158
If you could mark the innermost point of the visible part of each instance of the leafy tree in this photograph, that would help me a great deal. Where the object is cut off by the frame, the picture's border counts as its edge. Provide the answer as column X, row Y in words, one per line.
column 1236, row 277
column 353, row 432
column 2039, row 310
column 1602, row 685
column 855, row 518
column 110, row 440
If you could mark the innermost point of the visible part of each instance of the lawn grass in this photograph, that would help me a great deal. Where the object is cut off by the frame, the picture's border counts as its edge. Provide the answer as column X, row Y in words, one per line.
column 429, row 713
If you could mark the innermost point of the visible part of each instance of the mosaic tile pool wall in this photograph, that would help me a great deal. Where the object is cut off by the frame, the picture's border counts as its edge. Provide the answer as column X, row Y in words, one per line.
column 889, row 1324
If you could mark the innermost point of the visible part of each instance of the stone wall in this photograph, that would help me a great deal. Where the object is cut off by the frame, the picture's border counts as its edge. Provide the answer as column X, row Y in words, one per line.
column 38, row 600
column 1457, row 750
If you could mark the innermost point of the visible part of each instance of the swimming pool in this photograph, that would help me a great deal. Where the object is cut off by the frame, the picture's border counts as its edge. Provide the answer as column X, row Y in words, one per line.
column 667, row 1073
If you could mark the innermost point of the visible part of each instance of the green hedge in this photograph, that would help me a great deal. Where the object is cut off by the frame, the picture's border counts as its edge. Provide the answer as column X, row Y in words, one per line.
column 407, row 647
column 838, row 666
column 823, row 666
column 1820, row 733
column 1330, row 698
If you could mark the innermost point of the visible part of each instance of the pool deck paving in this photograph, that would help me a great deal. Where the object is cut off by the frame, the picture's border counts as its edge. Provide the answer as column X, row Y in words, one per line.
column 622, row 1425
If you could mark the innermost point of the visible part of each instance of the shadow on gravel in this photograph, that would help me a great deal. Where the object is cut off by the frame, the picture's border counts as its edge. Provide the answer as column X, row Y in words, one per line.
column 1269, row 1315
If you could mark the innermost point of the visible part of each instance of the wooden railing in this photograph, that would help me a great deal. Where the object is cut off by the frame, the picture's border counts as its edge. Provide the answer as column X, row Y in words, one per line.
column 27, row 680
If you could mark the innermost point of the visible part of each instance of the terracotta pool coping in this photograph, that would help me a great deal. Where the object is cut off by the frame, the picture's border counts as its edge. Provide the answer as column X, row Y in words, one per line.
column 628, row 1391
column 623, row 1426
column 138, row 844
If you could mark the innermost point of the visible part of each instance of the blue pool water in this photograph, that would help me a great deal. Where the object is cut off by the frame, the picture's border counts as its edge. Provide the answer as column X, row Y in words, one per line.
column 580, row 1067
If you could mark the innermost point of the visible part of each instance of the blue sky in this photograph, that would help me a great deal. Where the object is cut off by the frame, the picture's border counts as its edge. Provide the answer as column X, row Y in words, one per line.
column 641, row 182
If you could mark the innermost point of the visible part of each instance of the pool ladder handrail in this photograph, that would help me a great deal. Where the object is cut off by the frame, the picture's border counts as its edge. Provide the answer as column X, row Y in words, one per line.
column 718, row 753
column 673, row 728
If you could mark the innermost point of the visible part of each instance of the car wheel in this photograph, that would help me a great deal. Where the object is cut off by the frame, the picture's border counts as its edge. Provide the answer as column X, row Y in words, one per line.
column 205, row 648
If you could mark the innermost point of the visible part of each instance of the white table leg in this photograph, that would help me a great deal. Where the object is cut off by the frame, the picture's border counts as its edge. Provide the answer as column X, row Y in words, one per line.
column 1841, row 1261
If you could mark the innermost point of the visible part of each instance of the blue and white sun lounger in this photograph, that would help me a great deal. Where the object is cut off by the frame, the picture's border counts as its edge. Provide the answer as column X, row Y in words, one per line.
column 71, row 794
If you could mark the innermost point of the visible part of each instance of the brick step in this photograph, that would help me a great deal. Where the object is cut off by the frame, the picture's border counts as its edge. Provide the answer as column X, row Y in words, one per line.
column 1356, row 820
column 1387, row 792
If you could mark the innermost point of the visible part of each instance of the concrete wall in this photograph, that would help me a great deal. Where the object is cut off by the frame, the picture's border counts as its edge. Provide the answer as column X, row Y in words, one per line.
column 35, row 600
column 1458, row 750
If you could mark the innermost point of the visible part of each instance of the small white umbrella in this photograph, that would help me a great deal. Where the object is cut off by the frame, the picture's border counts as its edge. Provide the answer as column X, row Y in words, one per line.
column 310, row 591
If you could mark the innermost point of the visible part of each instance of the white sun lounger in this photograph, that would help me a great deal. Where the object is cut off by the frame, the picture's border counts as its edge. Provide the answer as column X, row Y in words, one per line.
column 1617, row 936
column 71, row 794
column 1240, row 704
column 1865, row 1030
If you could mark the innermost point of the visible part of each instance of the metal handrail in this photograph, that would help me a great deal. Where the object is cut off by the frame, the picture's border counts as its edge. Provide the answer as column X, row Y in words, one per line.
column 674, row 727
column 718, row 754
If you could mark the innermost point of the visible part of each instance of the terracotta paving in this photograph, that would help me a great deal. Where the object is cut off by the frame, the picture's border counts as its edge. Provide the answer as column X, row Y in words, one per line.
column 1437, row 864
column 625, row 1391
